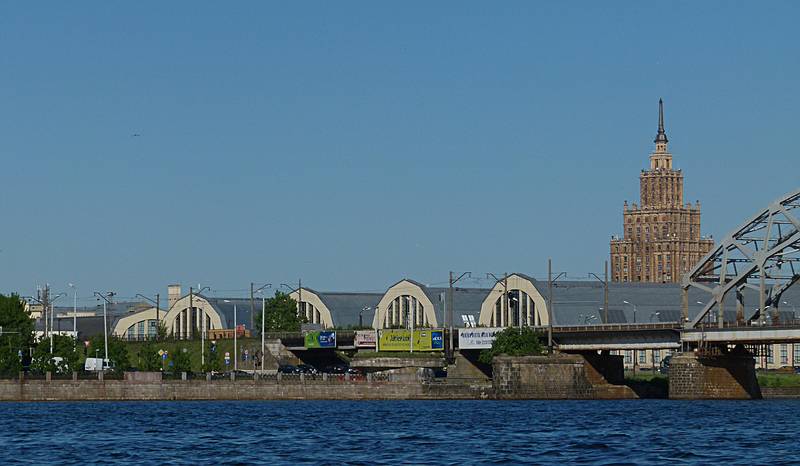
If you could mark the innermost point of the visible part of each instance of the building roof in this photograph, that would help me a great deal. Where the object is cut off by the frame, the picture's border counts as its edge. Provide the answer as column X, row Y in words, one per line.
column 225, row 308
column 345, row 307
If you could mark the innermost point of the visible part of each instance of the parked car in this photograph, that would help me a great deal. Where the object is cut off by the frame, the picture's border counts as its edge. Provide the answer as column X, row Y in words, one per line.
column 307, row 369
column 288, row 369
column 335, row 369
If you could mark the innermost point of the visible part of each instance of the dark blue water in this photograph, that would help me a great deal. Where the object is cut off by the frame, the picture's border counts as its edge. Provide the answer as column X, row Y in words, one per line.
column 417, row 432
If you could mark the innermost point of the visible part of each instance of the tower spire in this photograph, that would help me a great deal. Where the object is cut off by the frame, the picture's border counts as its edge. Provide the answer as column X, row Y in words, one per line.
column 661, row 137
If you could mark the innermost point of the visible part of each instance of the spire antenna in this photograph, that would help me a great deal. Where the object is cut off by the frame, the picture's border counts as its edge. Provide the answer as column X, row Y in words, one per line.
column 661, row 137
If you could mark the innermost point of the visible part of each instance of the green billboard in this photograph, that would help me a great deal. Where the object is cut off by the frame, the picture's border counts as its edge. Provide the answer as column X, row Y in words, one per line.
column 400, row 340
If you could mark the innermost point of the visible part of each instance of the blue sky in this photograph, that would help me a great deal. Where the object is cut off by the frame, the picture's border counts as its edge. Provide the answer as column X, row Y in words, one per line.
column 356, row 143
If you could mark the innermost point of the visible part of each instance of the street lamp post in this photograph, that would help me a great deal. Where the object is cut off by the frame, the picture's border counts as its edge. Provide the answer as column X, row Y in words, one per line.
column 235, row 336
column 74, row 310
column 263, row 320
column 361, row 315
column 654, row 314
column 235, row 339
column 634, row 321
column 202, row 328
column 52, row 313
column 105, row 297
column 794, row 314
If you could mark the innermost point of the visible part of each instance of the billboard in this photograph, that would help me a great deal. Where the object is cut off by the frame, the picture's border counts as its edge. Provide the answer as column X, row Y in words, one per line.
column 320, row 340
column 365, row 339
column 477, row 338
column 400, row 340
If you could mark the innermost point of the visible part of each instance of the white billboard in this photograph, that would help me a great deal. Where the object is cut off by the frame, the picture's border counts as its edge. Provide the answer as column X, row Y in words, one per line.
column 477, row 337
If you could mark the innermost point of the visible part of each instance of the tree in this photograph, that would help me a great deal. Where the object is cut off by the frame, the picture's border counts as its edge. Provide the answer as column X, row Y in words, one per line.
column 64, row 358
column 149, row 359
column 17, row 334
column 213, row 359
column 281, row 314
column 514, row 341
column 181, row 360
column 161, row 331
column 117, row 351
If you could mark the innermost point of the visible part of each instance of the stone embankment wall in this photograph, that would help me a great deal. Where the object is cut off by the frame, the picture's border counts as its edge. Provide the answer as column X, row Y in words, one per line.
column 780, row 392
column 729, row 376
column 121, row 390
column 560, row 376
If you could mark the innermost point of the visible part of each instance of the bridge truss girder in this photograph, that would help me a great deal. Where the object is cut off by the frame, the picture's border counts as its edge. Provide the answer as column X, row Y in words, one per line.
column 763, row 254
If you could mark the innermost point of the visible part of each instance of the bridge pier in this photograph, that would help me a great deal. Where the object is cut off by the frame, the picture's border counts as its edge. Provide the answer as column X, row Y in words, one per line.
column 702, row 376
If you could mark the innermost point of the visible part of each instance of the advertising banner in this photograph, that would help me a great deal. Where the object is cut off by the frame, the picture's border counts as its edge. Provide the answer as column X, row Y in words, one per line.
column 320, row 340
column 365, row 339
column 400, row 340
column 477, row 338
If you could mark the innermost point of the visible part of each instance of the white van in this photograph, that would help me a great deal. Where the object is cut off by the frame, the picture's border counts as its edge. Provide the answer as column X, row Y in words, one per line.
column 96, row 365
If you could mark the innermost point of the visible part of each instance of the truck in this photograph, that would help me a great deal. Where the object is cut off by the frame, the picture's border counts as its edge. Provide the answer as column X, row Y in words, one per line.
column 97, row 365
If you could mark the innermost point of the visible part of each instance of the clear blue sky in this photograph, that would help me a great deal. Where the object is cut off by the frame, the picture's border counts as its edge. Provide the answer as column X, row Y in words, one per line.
column 356, row 143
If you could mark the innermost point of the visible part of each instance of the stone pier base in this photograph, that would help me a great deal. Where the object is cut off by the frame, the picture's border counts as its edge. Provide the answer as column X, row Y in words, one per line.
column 730, row 376
column 559, row 376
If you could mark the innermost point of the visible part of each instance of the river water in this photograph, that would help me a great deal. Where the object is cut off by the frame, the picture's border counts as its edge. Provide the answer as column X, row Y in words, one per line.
column 410, row 432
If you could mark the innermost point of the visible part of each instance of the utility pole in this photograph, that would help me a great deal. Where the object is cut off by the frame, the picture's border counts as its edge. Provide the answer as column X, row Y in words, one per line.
column 505, row 316
column 157, row 303
column 252, row 307
column 605, row 290
column 450, row 313
column 188, row 318
column 550, row 305
column 105, row 297
column 450, row 306
column 605, row 293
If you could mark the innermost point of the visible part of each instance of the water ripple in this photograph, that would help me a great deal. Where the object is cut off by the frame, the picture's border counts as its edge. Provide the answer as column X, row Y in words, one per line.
column 407, row 432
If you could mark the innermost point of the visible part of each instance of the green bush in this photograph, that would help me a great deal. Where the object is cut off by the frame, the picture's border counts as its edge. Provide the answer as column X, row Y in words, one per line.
column 514, row 341
column 181, row 360
column 63, row 347
column 149, row 359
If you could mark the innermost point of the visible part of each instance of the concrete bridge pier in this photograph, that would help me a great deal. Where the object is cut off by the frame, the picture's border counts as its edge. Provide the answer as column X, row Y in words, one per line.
column 727, row 375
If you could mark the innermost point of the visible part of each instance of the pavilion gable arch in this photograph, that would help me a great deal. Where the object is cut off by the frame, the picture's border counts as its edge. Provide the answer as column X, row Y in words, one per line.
column 181, row 323
column 122, row 325
column 314, row 309
column 410, row 289
column 516, row 282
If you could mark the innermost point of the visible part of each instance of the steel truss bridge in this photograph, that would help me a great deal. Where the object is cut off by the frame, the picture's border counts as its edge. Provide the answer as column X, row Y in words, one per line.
column 762, row 255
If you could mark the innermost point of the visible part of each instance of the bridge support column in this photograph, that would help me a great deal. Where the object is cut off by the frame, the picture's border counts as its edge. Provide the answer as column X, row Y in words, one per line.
column 684, row 305
column 739, row 306
column 729, row 375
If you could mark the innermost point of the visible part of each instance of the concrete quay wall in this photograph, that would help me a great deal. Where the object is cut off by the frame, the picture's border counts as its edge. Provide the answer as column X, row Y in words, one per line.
column 121, row 390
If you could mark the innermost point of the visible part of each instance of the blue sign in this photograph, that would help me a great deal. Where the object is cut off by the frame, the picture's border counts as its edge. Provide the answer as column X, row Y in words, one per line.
column 320, row 340
column 437, row 339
